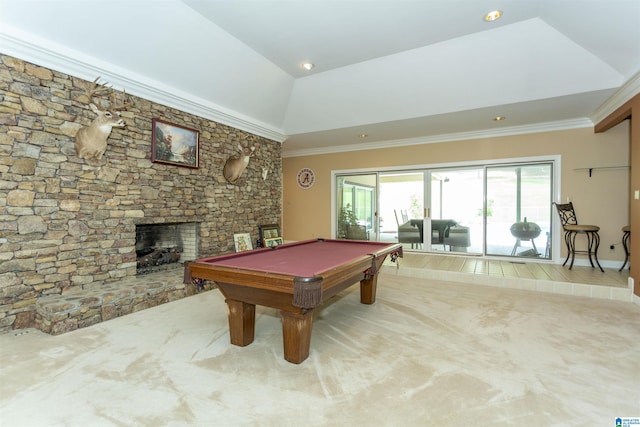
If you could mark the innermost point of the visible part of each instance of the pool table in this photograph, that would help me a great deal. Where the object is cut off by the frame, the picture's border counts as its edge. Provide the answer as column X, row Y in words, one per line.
column 294, row 278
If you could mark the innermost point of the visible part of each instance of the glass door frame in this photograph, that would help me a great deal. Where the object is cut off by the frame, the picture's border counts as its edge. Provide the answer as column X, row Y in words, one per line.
column 555, row 160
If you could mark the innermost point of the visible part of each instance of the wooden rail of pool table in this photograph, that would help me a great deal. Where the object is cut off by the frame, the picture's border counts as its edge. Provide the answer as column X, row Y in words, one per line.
column 244, row 289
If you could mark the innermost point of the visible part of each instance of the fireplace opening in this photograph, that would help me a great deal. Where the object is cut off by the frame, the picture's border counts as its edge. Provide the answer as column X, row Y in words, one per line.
column 160, row 246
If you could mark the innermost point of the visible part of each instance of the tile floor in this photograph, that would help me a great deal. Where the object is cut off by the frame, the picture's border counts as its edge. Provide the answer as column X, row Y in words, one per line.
column 544, row 277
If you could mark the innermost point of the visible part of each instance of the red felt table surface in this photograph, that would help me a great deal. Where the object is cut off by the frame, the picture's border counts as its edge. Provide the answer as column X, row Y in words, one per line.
column 303, row 259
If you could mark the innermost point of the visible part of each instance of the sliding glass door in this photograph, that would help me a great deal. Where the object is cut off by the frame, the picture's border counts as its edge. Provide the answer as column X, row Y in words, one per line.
column 450, row 219
column 456, row 207
column 499, row 210
column 402, row 208
column 518, row 211
column 356, row 217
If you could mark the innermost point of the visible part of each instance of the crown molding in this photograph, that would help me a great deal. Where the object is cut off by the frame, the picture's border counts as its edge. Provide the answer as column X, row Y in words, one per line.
column 627, row 91
column 42, row 52
column 450, row 137
column 46, row 54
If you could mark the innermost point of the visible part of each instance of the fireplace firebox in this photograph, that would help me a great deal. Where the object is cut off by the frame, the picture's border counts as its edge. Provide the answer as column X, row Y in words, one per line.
column 161, row 246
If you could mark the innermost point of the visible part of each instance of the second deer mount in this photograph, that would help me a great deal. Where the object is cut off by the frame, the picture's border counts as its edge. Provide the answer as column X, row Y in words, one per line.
column 234, row 166
column 91, row 141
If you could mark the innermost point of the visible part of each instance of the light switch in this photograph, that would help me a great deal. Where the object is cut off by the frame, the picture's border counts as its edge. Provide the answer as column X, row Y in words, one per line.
column 636, row 194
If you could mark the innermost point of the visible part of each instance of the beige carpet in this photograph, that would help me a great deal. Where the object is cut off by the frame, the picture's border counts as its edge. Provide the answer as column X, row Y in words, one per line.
column 426, row 354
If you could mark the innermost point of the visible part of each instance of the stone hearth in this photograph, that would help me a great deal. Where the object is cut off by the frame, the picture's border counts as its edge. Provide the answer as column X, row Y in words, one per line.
column 57, row 314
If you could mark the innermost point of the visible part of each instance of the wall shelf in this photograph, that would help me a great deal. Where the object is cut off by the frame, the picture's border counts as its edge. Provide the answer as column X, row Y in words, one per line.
column 599, row 168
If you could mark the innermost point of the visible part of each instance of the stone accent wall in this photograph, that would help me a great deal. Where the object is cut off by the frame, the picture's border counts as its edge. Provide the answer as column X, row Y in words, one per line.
column 69, row 224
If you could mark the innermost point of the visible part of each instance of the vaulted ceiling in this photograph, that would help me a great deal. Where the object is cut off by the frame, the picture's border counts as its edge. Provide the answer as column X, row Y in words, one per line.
column 399, row 71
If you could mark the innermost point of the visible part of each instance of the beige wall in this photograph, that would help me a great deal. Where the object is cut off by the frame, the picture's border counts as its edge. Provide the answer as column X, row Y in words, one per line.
column 601, row 199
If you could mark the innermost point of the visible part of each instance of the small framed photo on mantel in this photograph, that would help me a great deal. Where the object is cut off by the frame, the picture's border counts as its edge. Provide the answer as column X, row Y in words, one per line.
column 275, row 241
column 268, row 231
column 242, row 242
column 175, row 145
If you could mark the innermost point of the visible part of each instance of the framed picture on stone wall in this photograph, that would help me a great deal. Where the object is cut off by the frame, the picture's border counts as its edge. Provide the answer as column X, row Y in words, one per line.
column 175, row 145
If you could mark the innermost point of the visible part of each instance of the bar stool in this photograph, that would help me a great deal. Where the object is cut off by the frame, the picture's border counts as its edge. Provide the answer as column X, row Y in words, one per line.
column 626, row 235
column 572, row 229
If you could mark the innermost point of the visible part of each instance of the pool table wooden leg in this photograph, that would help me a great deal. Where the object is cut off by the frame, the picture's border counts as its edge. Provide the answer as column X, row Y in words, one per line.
column 368, row 289
column 242, row 322
column 296, row 334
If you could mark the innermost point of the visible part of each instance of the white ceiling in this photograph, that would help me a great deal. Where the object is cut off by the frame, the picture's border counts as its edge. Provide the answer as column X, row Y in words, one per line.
column 401, row 71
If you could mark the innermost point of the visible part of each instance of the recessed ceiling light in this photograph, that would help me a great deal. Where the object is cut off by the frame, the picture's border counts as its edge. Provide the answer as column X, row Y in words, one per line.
column 493, row 15
column 363, row 135
column 307, row 65
column 499, row 118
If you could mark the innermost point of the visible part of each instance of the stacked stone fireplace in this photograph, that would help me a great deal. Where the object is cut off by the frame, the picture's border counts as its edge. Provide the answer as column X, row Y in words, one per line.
column 67, row 232
column 163, row 246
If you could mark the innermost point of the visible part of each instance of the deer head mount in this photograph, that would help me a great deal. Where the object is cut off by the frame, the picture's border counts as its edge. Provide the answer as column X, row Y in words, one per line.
column 234, row 166
column 91, row 141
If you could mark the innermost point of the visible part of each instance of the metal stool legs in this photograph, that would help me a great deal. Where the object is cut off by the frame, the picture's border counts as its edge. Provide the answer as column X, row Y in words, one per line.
column 625, row 244
column 593, row 243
